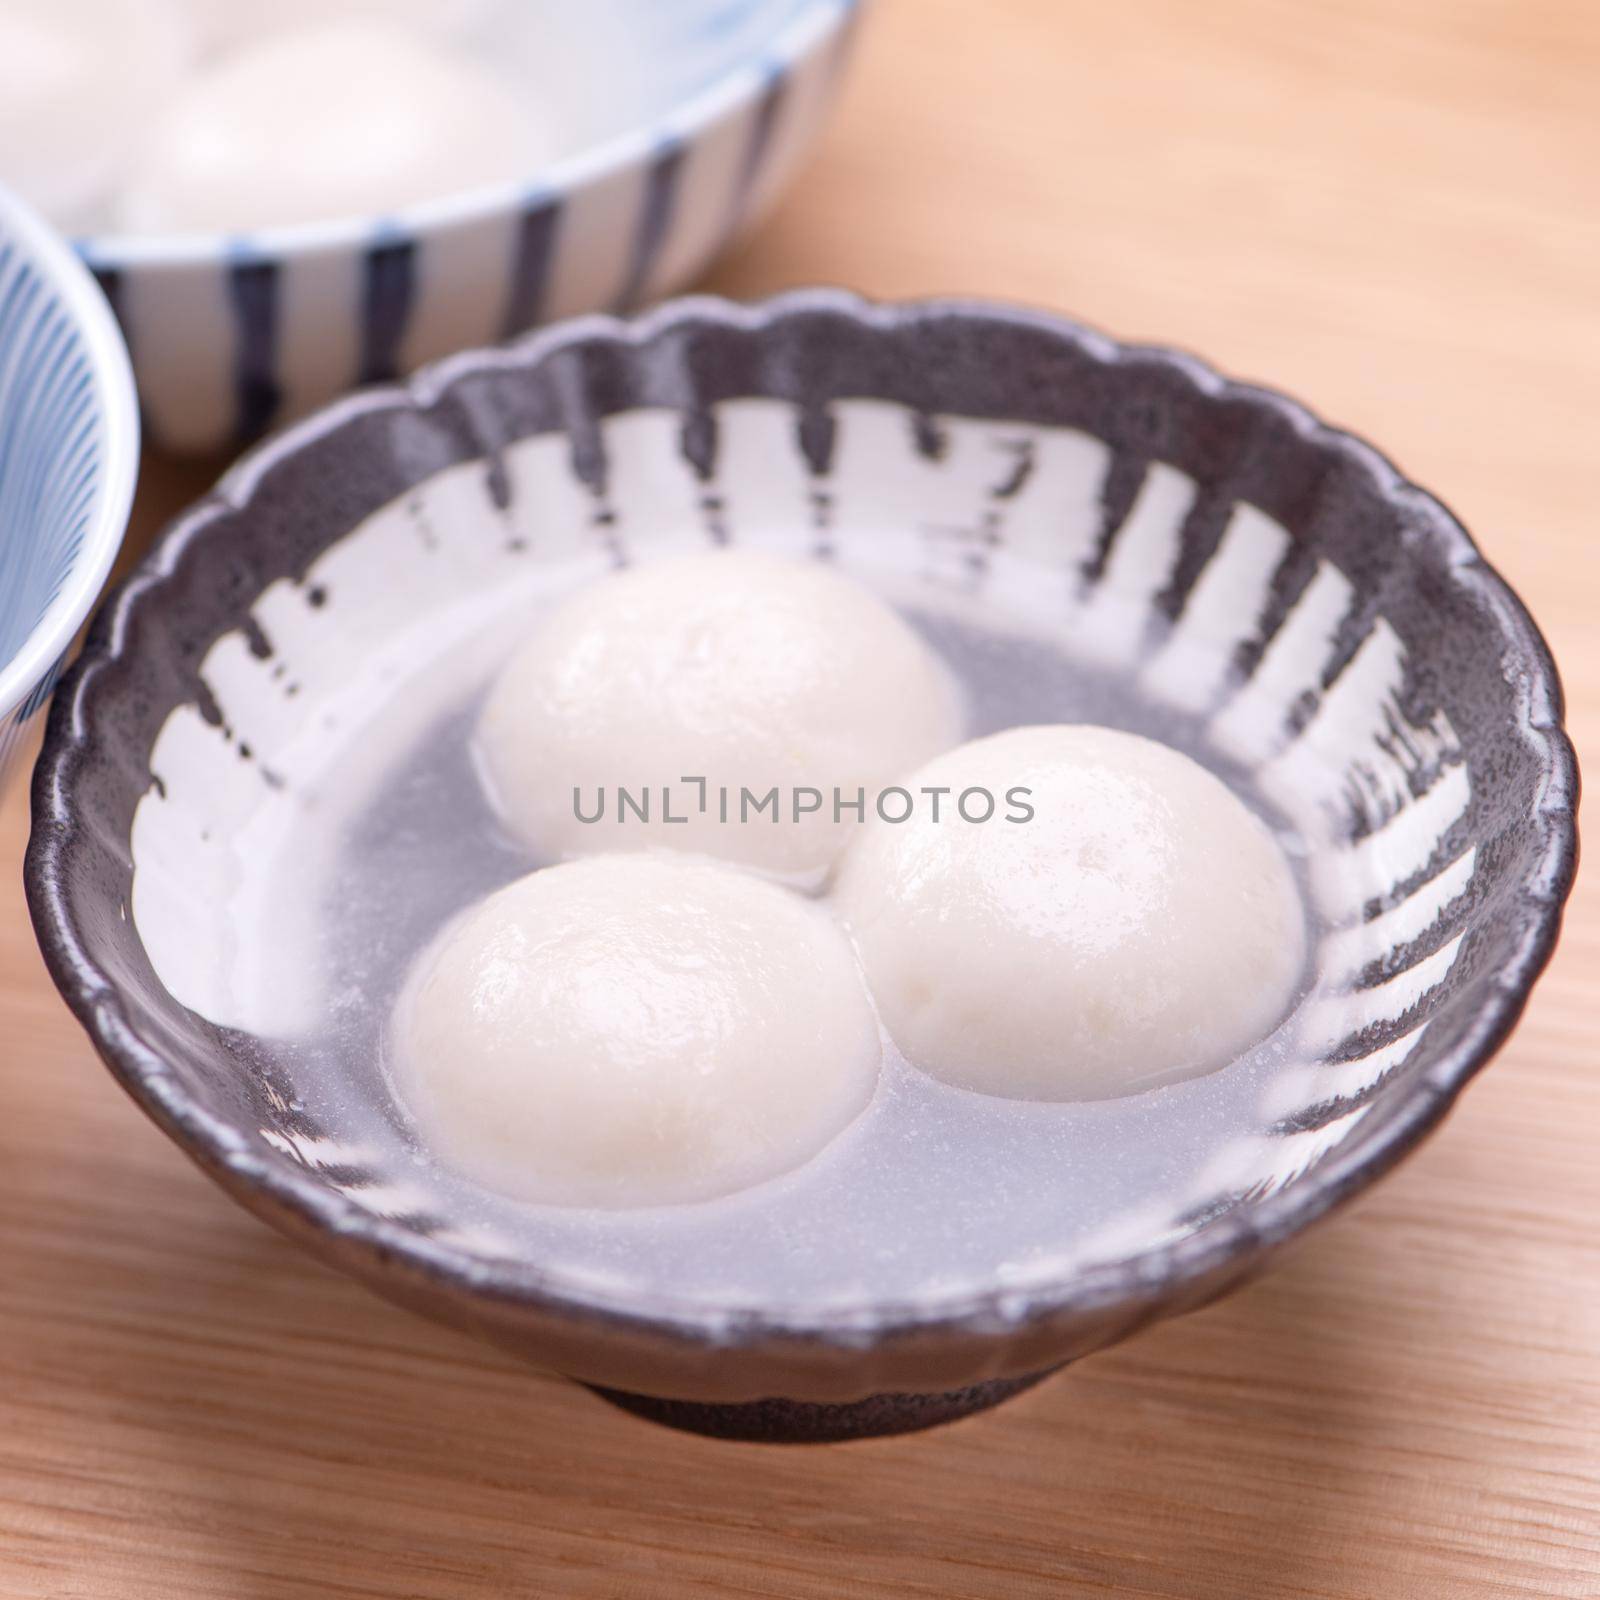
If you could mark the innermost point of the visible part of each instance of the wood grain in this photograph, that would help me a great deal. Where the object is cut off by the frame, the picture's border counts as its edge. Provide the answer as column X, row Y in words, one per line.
column 1389, row 208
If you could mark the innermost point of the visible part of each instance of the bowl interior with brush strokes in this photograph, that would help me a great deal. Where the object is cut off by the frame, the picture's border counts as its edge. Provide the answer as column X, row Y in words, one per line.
column 254, row 806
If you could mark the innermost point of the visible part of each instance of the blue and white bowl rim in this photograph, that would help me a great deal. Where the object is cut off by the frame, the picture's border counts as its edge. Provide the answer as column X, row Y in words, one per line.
column 76, row 292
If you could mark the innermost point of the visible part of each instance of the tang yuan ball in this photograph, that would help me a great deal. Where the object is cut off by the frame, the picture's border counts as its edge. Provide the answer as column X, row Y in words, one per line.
column 76, row 76
column 634, row 1030
column 346, row 119
column 746, row 670
column 227, row 23
column 1142, row 926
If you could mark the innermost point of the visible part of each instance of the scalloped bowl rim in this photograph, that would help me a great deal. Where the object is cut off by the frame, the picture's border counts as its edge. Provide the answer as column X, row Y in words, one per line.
column 1161, row 1271
column 48, row 640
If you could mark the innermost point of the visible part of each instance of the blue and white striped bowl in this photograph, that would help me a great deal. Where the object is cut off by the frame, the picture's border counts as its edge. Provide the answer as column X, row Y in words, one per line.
column 232, row 334
column 69, row 452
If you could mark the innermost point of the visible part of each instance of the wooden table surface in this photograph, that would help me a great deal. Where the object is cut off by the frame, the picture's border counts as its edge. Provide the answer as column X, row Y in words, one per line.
column 1389, row 207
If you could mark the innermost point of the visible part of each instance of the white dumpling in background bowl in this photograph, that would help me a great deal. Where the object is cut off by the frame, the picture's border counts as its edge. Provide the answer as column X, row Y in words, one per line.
column 655, row 133
column 324, row 122
column 223, row 24
column 78, row 78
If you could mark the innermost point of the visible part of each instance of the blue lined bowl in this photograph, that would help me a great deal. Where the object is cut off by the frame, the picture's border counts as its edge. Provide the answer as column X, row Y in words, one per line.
column 69, row 451
column 232, row 334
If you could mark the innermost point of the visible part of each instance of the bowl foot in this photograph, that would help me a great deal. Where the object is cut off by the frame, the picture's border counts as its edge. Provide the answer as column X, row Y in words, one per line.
column 780, row 1421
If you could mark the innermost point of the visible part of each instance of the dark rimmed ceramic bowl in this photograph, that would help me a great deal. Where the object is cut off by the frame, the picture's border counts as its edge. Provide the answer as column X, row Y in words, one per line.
column 1325, row 626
